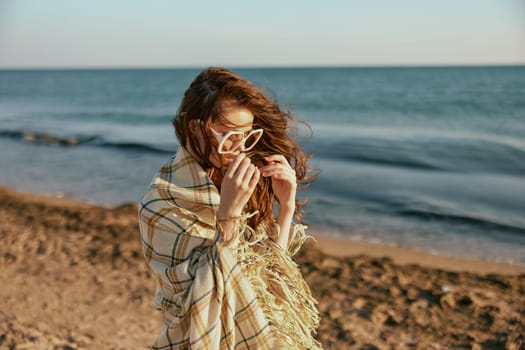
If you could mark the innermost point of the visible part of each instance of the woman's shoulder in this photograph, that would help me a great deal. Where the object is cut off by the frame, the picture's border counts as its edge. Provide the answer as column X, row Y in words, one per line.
column 180, row 161
column 183, row 178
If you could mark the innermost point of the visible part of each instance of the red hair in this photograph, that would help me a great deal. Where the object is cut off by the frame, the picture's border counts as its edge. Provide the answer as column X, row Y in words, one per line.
column 205, row 100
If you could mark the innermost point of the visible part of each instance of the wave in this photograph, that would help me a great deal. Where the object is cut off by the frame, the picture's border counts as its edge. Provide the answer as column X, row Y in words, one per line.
column 439, row 153
column 47, row 139
column 405, row 163
column 372, row 155
column 462, row 219
column 136, row 146
column 444, row 153
column 117, row 117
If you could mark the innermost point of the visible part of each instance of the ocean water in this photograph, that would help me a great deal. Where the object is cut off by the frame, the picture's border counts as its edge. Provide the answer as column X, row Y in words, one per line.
column 425, row 157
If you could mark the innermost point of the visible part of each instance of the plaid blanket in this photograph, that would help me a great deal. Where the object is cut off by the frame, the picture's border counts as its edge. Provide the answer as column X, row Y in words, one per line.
column 248, row 294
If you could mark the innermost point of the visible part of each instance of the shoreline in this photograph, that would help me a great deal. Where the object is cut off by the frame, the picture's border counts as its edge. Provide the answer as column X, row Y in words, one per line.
column 340, row 247
column 337, row 247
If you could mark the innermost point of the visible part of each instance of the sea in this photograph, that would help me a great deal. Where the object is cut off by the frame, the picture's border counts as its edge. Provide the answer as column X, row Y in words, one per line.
column 431, row 158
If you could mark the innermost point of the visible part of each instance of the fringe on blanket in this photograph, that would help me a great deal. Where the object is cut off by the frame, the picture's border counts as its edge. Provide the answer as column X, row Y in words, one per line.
column 281, row 290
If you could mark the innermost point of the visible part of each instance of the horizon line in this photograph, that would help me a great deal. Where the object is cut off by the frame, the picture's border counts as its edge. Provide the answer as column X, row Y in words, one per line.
column 188, row 67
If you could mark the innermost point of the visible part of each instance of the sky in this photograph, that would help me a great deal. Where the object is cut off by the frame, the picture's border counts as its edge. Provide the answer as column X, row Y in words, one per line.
column 234, row 33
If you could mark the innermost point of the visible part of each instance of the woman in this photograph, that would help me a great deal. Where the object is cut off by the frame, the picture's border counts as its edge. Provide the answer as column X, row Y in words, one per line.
column 222, row 261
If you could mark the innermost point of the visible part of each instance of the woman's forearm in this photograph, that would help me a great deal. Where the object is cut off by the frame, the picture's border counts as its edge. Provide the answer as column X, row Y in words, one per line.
column 284, row 220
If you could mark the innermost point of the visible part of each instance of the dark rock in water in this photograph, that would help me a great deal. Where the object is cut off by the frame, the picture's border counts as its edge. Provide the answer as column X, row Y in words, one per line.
column 45, row 138
column 49, row 139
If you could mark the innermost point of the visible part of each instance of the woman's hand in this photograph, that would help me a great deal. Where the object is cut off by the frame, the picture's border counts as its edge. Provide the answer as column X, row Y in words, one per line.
column 237, row 186
column 284, row 181
column 284, row 185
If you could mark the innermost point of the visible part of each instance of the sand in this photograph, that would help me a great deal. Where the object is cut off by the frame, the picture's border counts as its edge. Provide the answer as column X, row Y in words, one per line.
column 401, row 255
column 72, row 277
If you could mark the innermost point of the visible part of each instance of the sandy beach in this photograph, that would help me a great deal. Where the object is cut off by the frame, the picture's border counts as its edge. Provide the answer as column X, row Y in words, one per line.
column 73, row 277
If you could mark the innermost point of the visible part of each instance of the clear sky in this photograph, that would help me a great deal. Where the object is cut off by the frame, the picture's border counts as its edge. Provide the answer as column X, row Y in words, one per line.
column 234, row 33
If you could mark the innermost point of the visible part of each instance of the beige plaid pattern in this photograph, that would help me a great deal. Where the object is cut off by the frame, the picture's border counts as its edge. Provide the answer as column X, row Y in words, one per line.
column 206, row 299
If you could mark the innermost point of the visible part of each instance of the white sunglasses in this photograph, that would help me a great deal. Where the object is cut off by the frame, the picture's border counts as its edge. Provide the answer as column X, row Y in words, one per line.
column 230, row 142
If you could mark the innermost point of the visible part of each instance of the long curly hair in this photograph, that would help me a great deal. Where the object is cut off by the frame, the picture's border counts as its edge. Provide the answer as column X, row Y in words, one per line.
column 205, row 100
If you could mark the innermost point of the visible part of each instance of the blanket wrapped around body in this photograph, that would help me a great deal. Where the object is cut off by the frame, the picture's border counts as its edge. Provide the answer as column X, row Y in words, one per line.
column 248, row 294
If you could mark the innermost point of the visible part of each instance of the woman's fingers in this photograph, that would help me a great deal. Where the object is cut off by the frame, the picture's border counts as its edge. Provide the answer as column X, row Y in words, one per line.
column 254, row 180
column 235, row 165
column 276, row 161
column 277, row 158
column 241, row 173
column 241, row 170
column 238, row 184
column 274, row 169
column 248, row 174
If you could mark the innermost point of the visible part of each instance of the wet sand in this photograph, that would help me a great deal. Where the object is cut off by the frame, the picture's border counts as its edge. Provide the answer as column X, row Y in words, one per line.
column 72, row 277
column 401, row 255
